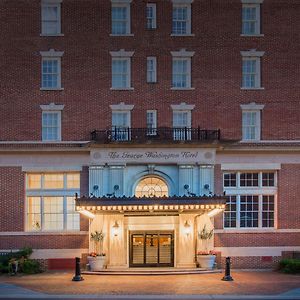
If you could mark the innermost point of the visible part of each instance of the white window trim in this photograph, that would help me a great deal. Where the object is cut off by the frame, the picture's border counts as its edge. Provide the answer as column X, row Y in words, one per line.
column 121, row 107
column 153, row 58
column 183, row 107
column 257, row 4
column 123, row 3
column 152, row 131
column 256, row 55
column 58, row 125
column 56, row 3
column 154, row 19
column 184, row 55
column 257, row 108
column 188, row 5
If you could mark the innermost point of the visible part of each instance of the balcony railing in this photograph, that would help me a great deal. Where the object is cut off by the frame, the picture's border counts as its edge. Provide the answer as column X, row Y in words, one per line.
column 160, row 134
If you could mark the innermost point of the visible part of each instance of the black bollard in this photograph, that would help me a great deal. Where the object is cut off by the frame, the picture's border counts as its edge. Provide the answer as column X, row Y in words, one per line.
column 77, row 276
column 227, row 276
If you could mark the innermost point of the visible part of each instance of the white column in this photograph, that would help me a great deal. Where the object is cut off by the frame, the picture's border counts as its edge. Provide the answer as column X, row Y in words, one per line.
column 206, row 179
column 185, row 178
column 96, row 180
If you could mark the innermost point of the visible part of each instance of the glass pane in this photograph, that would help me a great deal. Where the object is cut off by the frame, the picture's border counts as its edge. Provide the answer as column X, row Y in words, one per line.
column 34, row 213
column 53, row 181
column 34, row 181
column 151, row 187
column 53, row 213
column 73, row 181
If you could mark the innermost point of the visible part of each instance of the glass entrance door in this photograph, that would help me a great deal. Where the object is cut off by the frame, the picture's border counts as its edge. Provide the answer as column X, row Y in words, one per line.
column 151, row 249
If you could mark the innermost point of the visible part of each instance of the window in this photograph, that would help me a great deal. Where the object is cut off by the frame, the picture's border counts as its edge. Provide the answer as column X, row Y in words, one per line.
column 151, row 69
column 51, row 70
column 151, row 15
column 181, row 69
column 251, row 17
column 51, row 126
column 151, row 122
column 151, row 187
column 120, row 17
column 251, row 203
column 121, row 69
column 50, row 201
column 251, row 121
column 181, row 17
column 51, row 122
column 251, row 69
column 121, row 121
column 51, row 17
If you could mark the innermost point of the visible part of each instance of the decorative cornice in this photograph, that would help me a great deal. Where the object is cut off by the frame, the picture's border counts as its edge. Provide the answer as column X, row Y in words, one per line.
column 51, row 1
column 252, row 106
column 120, row 1
column 52, row 53
column 122, row 106
column 121, row 53
column 182, row 53
column 252, row 52
column 52, row 107
column 182, row 1
column 252, row 1
column 182, row 106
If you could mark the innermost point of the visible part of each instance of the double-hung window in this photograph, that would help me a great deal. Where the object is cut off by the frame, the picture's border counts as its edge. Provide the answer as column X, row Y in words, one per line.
column 120, row 17
column 151, row 15
column 251, row 121
column 251, row 17
column 50, row 202
column 251, row 199
column 181, row 17
column 151, row 122
column 181, row 69
column 251, row 69
column 151, row 70
column 51, row 17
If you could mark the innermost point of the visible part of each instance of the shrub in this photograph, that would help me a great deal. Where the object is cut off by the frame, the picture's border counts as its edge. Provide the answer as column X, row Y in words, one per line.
column 291, row 266
column 31, row 267
column 3, row 268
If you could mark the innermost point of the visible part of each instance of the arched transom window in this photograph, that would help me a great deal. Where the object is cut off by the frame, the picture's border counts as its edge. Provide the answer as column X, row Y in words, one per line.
column 151, row 187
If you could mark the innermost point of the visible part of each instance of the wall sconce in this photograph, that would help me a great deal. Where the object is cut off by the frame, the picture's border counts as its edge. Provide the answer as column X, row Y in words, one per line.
column 187, row 228
column 115, row 229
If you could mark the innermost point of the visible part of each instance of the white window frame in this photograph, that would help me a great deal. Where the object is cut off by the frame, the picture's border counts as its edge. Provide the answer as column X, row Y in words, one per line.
column 44, row 192
column 53, row 109
column 259, row 191
column 126, row 4
column 124, row 56
column 185, row 56
column 152, row 74
column 152, row 20
column 257, row 5
column 254, row 56
column 184, row 4
column 252, row 108
column 56, row 56
column 51, row 3
column 152, row 128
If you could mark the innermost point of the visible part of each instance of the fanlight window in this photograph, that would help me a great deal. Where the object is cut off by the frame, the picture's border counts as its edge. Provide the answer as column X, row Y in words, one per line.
column 151, row 187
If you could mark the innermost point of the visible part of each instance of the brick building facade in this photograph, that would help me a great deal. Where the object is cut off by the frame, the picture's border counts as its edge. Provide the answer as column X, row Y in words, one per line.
column 184, row 98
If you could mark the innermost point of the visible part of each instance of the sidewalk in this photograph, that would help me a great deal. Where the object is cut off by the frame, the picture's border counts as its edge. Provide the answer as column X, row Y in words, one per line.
column 246, row 285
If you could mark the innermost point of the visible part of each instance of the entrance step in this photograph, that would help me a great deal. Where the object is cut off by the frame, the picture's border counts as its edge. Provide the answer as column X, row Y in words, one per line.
column 152, row 271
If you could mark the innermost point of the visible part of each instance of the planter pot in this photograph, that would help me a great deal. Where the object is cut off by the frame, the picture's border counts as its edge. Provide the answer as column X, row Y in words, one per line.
column 97, row 263
column 206, row 261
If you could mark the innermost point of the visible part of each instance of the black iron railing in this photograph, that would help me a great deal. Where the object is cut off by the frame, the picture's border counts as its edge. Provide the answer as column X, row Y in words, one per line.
column 160, row 134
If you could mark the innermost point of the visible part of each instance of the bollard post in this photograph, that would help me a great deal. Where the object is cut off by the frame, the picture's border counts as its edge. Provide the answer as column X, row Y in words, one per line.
column 77, row 276
column 227, row 276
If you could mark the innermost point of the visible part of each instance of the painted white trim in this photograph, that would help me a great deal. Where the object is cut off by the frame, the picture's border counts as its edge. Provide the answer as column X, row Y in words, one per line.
column 120, row 1
column 52, row 107
column 182, row 53
column 252, row 1
column 154, row 18
column 121, row 53
column 52, row 53
column 255, row 230
column 42, row 142
column 252, row 53
column 53, row 112
column 252, row 35
column 52, row 168
column 254, row 251
column 122, row 106
column 154, row 60
column 182, row 106
column 250, row 166
column 33, row 233
column 57, row 253
column 51, row 1
column 182, row 1
column 252, row 106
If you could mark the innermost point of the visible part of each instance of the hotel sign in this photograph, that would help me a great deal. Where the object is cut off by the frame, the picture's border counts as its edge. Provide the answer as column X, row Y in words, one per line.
column 164, row 156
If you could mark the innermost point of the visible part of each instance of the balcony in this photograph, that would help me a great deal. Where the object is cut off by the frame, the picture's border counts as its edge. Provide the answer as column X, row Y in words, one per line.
column 160, row 135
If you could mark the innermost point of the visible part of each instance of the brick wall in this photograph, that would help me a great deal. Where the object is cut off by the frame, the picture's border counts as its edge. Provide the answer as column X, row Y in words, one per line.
column 86, row 67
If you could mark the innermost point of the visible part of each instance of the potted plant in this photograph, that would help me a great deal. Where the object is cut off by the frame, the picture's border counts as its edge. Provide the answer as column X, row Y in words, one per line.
column 206, row 259
column 97, row 258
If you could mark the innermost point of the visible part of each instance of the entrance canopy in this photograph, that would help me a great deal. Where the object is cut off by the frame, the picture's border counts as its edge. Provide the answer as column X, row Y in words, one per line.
column 175, row 204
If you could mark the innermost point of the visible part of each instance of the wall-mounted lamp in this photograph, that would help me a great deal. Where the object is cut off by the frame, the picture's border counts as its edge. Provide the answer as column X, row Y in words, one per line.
column 187, row 188
column 115, row 228
column 187, row 228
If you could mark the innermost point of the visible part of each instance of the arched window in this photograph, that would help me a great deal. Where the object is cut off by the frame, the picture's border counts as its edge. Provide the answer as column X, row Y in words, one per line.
column 151, row 187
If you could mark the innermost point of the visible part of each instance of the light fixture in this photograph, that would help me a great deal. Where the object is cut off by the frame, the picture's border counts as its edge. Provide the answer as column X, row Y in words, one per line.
column 87, row 214
column 187, row 228
column 214, row 212
column 115, row 228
